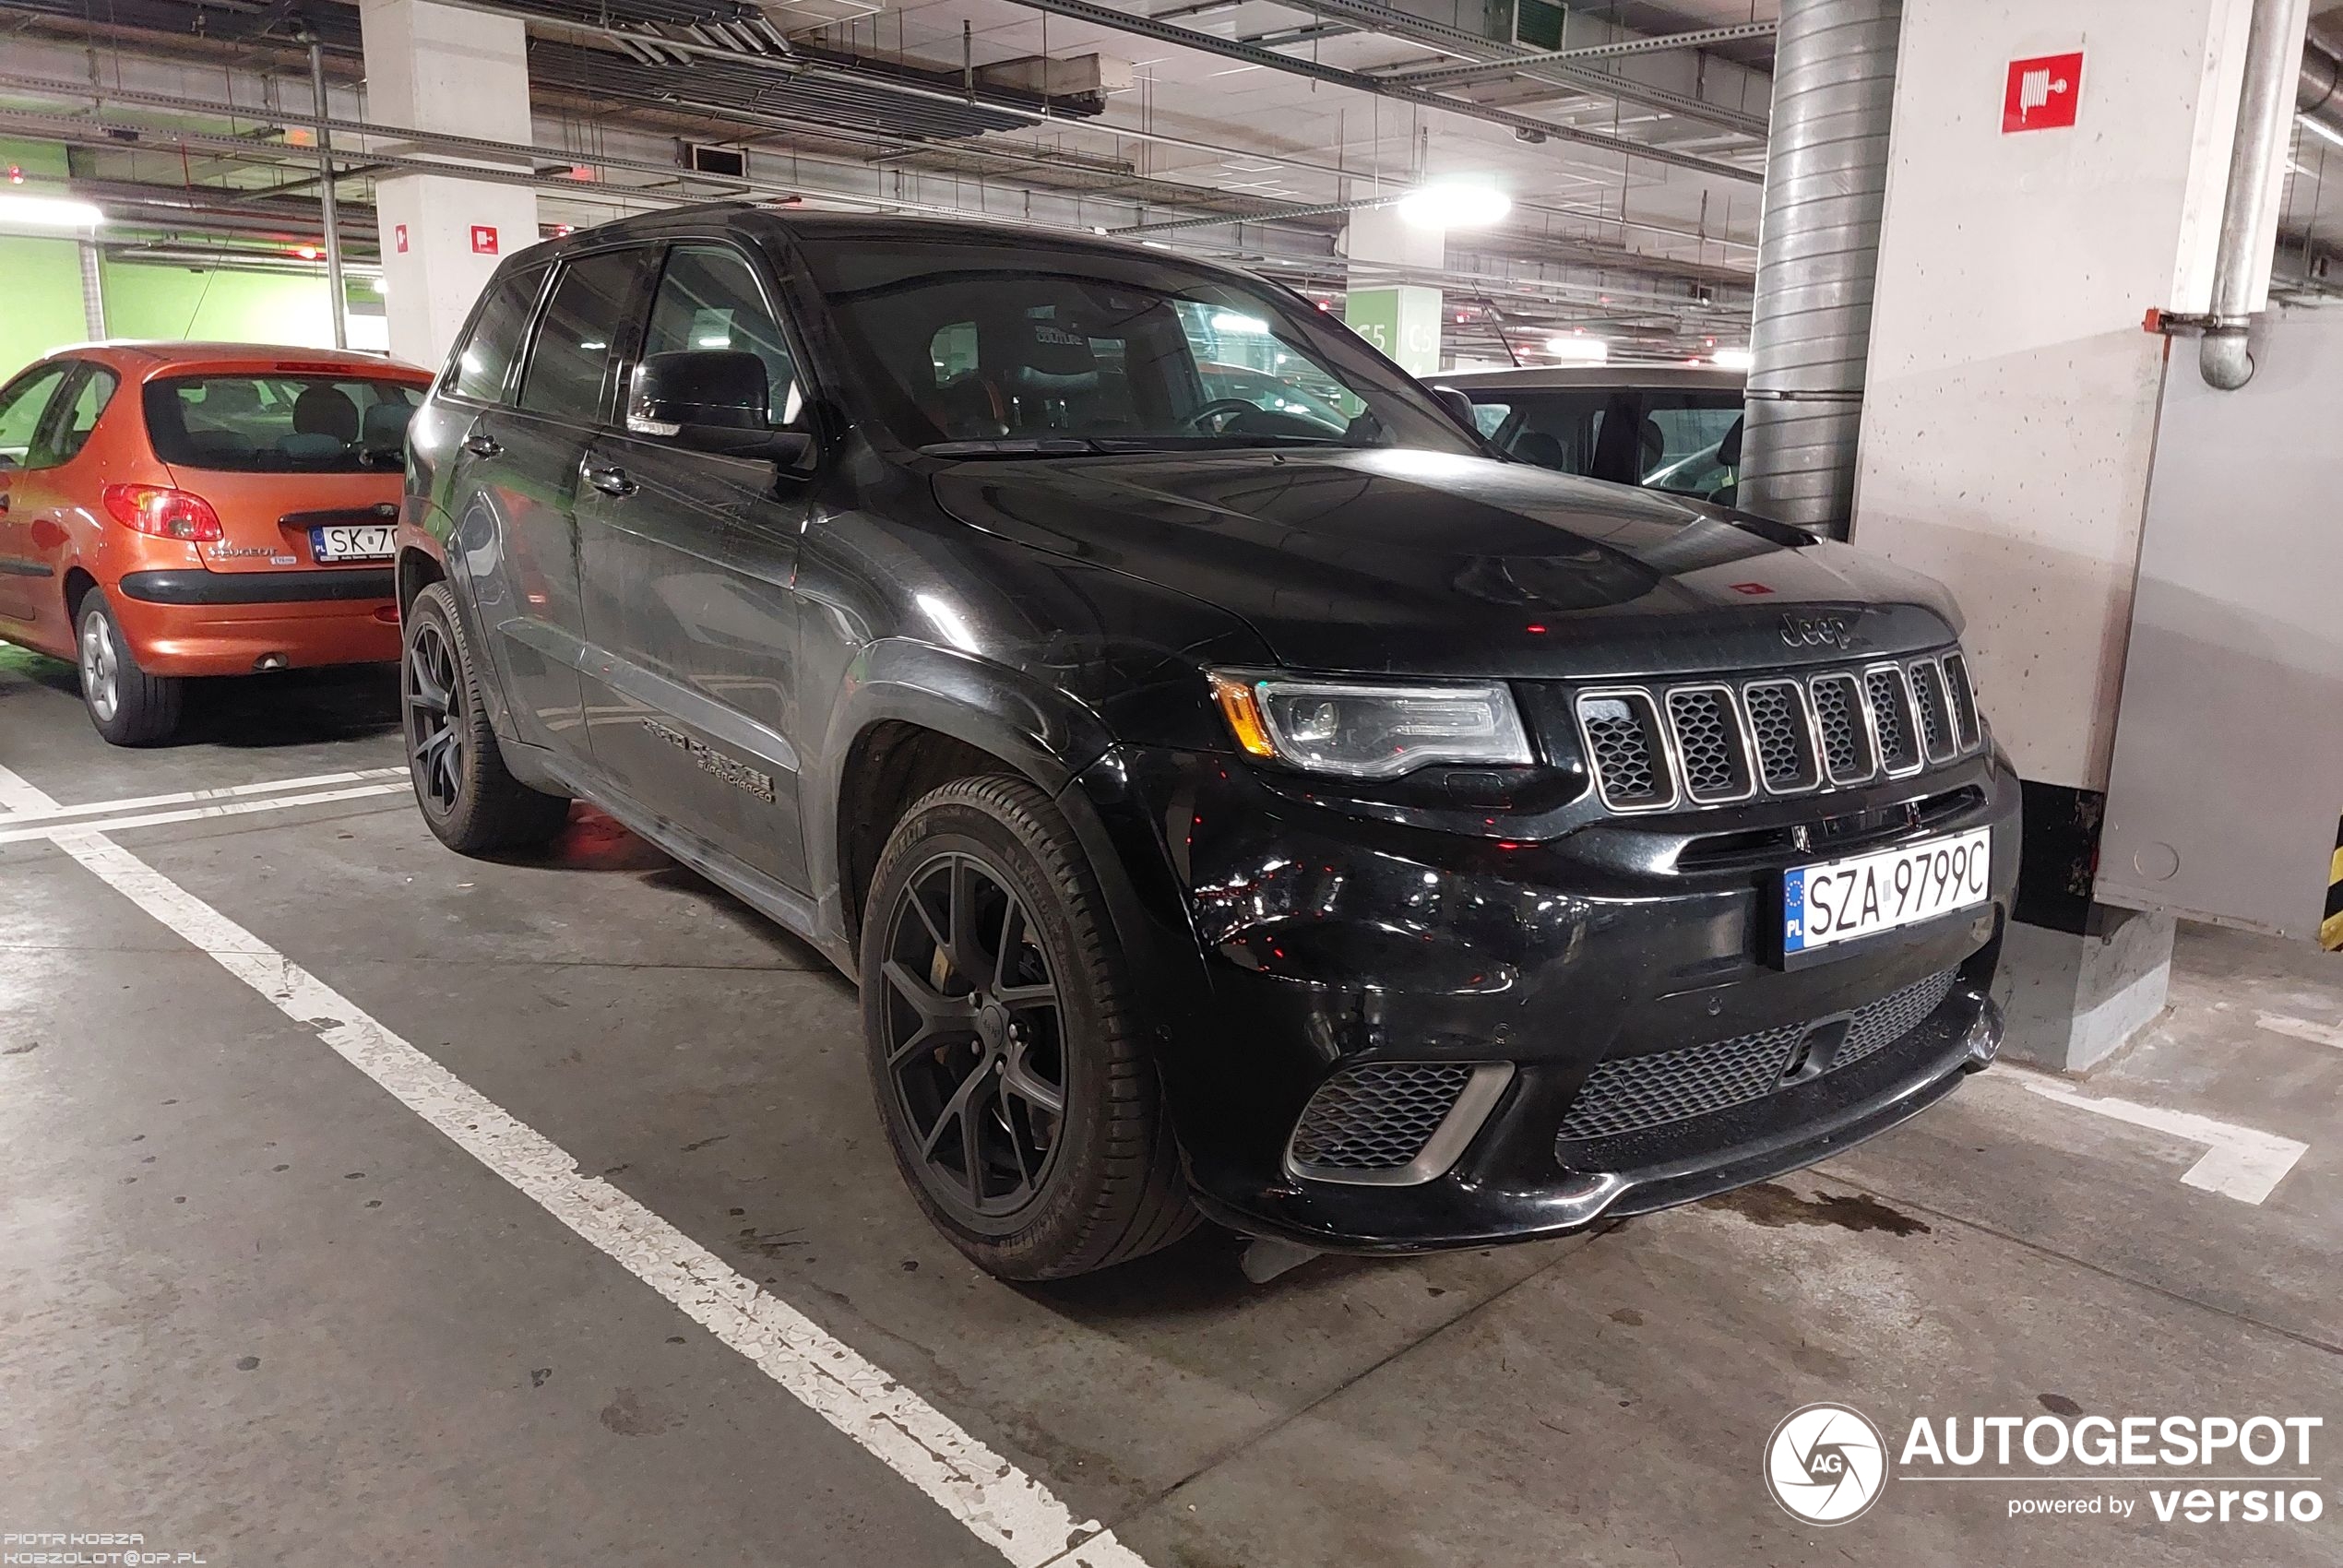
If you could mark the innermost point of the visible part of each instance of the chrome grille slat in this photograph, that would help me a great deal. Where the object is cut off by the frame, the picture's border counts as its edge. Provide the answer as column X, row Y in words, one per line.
column 1715, row 742
column 1847, row 744
column 1937, row 734
column 1710, row 747
column 1783, row 730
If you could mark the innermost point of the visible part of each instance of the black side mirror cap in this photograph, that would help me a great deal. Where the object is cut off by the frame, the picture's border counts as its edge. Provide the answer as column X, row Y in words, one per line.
column 714, row 400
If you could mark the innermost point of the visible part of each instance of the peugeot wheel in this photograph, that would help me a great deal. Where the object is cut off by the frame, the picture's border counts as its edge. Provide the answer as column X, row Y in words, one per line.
column 1020, row 1103
column 468, row 798
column 129, row 706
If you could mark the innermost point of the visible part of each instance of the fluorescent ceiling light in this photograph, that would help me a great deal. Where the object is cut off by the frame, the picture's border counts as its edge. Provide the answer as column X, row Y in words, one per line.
column 19, row 211
column 1580, row 349
column 1229, row 321
column 1731, row 359
column 1455, row 205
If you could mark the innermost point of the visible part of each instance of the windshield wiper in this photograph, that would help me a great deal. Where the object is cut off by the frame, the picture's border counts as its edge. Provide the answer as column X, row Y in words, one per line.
column 1012, row 446
column 1255, row 441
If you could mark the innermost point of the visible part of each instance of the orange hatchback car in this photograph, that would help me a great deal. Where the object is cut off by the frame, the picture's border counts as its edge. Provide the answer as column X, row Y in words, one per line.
column 177, row 509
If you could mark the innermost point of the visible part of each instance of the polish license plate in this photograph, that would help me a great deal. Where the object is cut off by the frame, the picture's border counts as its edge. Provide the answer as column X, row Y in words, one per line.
column 1842, row 900
column 361, row 542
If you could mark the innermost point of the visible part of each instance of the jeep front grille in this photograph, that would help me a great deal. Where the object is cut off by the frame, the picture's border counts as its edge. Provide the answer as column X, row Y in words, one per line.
column 1712, row 742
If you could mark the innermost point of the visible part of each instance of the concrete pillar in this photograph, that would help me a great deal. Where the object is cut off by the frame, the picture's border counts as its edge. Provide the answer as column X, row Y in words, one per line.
column 435, row 67
column 1403, row 320
column 2038, row 206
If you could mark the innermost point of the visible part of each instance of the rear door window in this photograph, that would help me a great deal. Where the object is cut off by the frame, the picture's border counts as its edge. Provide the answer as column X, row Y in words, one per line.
column 280, row 422
column 567, row 376
column 22, row 403
column 488, row 353
column 1553, row 430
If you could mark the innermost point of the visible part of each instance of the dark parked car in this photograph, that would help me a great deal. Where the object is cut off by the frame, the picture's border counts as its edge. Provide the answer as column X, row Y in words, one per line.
column 1668, row 427
column 1351, row 835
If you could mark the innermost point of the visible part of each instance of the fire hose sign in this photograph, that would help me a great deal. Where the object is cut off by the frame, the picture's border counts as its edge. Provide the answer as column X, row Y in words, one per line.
column 2041, row 93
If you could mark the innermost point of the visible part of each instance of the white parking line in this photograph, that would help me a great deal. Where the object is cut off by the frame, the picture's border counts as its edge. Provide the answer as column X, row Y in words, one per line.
column 230, row 791
column 2244, row 1163
column 995, row 1501
column 2301, row 1028
column 11, row 834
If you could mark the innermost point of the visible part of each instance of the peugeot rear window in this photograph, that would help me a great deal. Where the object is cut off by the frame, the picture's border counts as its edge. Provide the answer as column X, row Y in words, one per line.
column 281, row 423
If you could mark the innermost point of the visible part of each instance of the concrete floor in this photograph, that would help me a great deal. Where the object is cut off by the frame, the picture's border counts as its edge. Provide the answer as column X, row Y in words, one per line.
column 258, row 1310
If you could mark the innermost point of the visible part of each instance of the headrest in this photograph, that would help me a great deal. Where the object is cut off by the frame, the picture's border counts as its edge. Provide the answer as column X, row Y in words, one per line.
column 386, row 426
column 1052, row 359
column 1729, row 449
column 228, row 399
column 325, row 411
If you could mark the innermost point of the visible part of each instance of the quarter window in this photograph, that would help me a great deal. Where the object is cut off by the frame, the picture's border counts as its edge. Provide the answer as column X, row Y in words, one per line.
column 495, row 336
column 709, row 299
column 569, row 363
column 90, row 401
column 22, row 403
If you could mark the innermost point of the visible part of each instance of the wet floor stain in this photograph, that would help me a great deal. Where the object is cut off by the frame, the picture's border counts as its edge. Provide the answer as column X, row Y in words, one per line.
column 1629, row 1316
column 1775, row 1206
column 629, row 1416
column 2059, row 1405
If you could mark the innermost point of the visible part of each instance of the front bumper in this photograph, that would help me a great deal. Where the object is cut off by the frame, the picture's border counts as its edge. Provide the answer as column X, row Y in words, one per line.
column 1323, row 939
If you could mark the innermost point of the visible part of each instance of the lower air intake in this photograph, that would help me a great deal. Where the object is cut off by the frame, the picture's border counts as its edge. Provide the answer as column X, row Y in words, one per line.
column 1629, row 1094
column 1393, row 1121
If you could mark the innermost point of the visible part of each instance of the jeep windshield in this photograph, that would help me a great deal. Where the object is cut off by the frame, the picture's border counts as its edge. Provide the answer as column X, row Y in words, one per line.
column 972, row 349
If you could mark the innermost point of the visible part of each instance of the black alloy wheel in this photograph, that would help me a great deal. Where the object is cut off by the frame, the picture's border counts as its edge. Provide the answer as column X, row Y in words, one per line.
column 470, row 798
column 973, row 1036
column 435, row 717
column 1001, row 1025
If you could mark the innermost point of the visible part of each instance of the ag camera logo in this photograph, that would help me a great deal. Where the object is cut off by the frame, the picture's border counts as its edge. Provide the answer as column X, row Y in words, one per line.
column 1826, row 1463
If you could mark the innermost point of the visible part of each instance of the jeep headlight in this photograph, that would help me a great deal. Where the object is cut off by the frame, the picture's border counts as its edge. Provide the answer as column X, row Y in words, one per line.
column 1361, row 730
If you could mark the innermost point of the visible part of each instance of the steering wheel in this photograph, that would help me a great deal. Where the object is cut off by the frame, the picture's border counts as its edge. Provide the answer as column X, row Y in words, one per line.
column 1221, row 408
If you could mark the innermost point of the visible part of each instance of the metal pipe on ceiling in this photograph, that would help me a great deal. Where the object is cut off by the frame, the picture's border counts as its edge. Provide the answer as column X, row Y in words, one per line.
column 1359, row 82
column 1438, row 75
column 1818, row 259
column 337, row 297
column 1375, row 16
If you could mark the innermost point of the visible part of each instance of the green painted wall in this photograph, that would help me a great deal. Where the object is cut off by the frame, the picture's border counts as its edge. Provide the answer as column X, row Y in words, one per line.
column 234, row 307
column 41, row 278
column 40, row 285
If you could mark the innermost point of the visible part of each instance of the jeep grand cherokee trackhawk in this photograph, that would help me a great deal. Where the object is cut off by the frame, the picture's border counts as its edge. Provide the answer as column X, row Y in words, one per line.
column 1343, row 834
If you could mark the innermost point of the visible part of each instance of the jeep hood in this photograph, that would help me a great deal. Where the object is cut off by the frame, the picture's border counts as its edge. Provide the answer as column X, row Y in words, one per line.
column 1410, row 561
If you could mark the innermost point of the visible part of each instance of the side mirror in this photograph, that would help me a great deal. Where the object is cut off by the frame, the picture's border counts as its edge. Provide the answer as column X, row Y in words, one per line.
column 1460, row 407
column 712, row 400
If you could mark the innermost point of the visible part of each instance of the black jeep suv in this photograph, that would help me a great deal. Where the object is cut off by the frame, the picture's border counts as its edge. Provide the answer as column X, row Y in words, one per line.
column 1271, row 807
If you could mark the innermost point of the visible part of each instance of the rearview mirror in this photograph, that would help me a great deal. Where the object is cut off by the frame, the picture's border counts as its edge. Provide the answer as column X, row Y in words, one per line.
column 712, row 400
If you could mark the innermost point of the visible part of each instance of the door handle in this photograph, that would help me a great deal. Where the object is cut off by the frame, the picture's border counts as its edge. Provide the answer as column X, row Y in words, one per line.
column 611, row 481
column 481, row 446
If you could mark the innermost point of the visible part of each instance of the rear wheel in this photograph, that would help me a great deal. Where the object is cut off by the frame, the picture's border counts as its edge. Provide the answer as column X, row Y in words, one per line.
column 1020, row 1103
column 129, row 706
column 470, row 800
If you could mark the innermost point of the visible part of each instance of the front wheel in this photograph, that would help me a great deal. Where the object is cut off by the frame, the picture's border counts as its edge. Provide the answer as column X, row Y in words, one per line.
column 128, row 706
column 1020, row 1105
column 470, row 800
